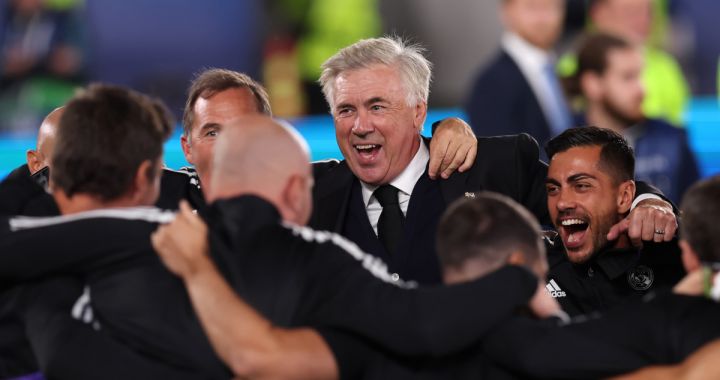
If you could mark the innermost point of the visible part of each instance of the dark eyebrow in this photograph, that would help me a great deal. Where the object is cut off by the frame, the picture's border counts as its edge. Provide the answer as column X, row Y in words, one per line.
column 207, row 126
column 580, row 176
column 552, row 181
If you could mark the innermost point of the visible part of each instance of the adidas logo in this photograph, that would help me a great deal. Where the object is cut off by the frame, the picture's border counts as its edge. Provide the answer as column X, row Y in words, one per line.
column 554, row 290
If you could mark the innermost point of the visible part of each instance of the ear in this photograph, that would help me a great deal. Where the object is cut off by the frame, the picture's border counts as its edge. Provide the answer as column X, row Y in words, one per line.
column 34, row 161
column 142, row 182
column 626, row 194
column 517, row 258
column 590, row 85
column 292, row 198
column 420, row 115
column 690, row 259
column 185, row 143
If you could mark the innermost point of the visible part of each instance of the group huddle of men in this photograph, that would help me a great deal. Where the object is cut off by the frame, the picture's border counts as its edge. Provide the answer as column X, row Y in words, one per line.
column 411, row 258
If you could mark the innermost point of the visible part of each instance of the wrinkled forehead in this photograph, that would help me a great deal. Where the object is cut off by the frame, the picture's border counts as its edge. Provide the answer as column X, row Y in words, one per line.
column 376, row 81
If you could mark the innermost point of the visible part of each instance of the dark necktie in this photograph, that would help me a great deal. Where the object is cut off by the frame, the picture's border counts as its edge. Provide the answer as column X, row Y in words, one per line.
column 390, row 224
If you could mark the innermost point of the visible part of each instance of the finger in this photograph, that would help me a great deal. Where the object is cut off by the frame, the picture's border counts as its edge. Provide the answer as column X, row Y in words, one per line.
column 438, row 148
column 618, row 229
column 157, row 239
column 450, row 156
column 455, row 162
column 648, row 228
column 634, row 231
column 670, row 229
column 469, row 157
column 659, row 237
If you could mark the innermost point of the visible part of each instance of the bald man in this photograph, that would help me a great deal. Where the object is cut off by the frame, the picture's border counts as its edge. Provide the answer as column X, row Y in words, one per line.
column 39, row 158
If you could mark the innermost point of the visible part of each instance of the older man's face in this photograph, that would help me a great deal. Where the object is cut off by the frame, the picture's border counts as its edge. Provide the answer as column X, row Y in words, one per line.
column 211, row 115
column 378, row 133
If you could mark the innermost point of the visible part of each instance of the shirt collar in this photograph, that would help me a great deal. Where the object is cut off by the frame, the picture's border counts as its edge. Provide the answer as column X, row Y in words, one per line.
column 406, row 181
column 526, row 55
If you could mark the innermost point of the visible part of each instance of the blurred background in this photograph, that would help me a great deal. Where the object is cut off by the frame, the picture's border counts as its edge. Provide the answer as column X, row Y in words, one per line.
column 50, row 47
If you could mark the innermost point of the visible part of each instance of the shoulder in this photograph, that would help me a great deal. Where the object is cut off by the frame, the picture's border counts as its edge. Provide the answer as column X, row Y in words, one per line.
column 333, row 243
column 102, row 217
column 508, row 145
column 179, row 184
column 500, row 68
column 665, row 128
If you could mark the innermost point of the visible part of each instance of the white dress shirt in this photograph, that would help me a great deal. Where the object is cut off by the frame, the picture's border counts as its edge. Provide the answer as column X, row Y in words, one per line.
column 405, row 183
column 532, row 62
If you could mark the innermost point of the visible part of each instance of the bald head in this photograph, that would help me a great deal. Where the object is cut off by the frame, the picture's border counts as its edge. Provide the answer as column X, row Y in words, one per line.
column 257, row 155
column 40, row 157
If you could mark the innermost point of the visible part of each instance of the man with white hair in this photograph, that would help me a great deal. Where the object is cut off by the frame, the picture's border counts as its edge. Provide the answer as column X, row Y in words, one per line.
column 378, row 90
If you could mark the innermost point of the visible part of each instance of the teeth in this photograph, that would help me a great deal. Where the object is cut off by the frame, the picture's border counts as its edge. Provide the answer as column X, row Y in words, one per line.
column 363, row 147
column 570, row 222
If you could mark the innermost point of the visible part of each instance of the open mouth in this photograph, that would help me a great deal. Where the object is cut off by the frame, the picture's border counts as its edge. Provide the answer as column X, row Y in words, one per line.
column 367, row 151
column 573, row 232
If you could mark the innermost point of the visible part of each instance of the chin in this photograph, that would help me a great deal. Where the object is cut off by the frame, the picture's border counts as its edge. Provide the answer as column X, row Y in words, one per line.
column 579, row 257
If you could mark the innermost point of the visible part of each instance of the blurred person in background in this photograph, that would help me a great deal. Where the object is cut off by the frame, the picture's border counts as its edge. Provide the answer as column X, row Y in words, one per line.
column 609, row 83
column 41, row 59
column 667, row 91
column 519, row 91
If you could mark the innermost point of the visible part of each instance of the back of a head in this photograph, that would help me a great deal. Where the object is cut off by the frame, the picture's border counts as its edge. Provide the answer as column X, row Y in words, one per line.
column 256, row 156
column 592, row 57
column 212, row 81
column 487, row 229
column 700, row 208
column 104, row 135
column 414, row 68
column 616, row 157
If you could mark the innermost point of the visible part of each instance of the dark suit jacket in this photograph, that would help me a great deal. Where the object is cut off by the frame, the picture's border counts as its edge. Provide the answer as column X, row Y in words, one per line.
column 501, row 102
column 508, row 165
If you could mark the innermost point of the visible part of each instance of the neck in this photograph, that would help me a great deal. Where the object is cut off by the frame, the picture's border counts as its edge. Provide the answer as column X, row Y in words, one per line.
column 87, row 202
column 597, row 116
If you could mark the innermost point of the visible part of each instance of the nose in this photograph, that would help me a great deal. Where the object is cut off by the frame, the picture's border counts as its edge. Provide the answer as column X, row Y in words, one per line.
column 565, row 200
column 362, row 125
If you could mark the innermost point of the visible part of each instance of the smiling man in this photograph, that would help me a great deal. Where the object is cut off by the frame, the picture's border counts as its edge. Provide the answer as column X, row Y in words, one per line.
column 590, row 188
column 379, row 196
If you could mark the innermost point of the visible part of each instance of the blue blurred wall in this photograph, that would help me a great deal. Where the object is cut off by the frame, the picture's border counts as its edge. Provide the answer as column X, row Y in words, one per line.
column 703, row 116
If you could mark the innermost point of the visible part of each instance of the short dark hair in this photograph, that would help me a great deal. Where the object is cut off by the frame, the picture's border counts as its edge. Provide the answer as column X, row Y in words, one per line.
column 487, row 227
column 699, row 211
column 104, row 135
column 593, row 57
column 616, row 157
column 212, row 81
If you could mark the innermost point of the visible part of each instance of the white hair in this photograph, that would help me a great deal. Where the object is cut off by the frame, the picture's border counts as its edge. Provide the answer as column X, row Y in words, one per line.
column 415, row 69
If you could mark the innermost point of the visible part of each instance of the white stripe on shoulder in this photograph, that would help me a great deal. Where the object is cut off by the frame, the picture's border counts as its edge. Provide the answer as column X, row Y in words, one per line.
column 148, row 214
column 325, row 160
column 372, row 264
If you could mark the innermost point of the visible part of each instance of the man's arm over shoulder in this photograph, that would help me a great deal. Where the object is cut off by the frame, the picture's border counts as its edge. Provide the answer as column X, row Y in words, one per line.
column 355, row 292
column 511, row 165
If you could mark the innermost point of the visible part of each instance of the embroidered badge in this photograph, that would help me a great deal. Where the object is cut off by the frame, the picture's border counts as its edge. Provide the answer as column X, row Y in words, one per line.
column 641, row 278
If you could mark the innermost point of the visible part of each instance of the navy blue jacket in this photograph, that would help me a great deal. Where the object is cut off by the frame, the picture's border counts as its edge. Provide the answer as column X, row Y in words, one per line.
column 501, row 102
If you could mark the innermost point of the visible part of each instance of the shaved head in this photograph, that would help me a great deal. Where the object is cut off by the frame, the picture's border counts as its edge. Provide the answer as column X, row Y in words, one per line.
column 256, row 155
column 40, row 157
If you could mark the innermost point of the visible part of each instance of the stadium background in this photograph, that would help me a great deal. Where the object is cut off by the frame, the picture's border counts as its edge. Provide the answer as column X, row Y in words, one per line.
column 155, row 46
